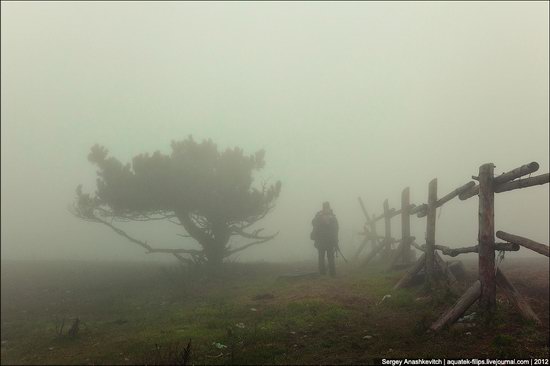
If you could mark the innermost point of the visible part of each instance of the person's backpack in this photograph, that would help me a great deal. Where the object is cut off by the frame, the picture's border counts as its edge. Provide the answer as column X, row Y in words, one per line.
column 324, row 227
column 313, row 235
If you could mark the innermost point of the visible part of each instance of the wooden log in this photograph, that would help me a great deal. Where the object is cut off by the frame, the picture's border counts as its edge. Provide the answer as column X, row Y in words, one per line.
column 377, row 218
column 453, row 252
column 397, row 254
column 523, row 183
column 474, row 191
column 453, row 194
column 465, row 301
column 524, row 242
column 515, row 298
column 445, row 269
column 389, row 213
column 503, row 178
column 406, row 226
column 363, row 209
column 443, row 266
column 421, row 248
column 373, row 253
column 394, row 212
column 370, row 236
column 507, row 247
column 418, row 209
column 486, row 237
column 430, row 230
column 516, row 173
column 440, row 202
column 403, row 249
column 409, row 275
column 361, row 247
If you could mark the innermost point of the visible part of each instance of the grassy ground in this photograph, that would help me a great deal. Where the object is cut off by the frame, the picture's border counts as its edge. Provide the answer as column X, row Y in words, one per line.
column 142, row 313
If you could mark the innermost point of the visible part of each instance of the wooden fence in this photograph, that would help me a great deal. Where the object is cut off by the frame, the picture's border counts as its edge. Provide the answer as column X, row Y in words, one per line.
column 490, row 276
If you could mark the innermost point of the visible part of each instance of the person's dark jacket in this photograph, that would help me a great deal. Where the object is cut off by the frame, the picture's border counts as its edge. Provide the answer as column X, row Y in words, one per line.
column 325, row 228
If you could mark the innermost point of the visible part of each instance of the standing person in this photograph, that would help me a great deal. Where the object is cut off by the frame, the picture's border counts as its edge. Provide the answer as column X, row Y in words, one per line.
column 325, row 235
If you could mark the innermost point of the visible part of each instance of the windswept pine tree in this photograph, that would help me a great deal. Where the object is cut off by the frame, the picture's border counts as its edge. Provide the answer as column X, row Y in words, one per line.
column 210, row 193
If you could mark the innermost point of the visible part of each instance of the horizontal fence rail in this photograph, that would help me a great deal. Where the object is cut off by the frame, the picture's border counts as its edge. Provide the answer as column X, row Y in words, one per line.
column 490, row 276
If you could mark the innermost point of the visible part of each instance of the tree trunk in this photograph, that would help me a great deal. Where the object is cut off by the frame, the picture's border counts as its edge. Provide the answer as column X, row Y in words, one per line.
column 214, row 253
column 214, row 247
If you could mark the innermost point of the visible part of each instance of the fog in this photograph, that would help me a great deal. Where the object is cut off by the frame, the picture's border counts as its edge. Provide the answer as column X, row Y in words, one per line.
column 347, row 99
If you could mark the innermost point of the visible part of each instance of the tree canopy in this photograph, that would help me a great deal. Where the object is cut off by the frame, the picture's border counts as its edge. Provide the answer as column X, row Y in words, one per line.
column 210, row 193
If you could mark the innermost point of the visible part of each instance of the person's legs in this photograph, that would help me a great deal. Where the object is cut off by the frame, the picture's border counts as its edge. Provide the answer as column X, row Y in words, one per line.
column 322, row 269
column 331, row 264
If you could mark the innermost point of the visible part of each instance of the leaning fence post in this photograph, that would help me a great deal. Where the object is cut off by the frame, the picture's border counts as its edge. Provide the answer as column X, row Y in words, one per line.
column 486, row 237
column 430, row 231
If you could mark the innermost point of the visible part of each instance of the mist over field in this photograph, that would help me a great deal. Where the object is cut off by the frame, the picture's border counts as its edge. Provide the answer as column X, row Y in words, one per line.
column 347, row 99
column 164, row 166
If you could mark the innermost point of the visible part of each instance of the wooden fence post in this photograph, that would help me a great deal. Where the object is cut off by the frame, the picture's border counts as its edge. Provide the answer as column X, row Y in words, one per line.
column 430, row 231
column 486, row 237
column 405, row 226
column 374, row 240
column 387, row 230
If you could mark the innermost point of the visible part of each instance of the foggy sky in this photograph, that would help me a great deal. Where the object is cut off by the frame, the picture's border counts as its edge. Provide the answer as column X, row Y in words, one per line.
column 348, row 99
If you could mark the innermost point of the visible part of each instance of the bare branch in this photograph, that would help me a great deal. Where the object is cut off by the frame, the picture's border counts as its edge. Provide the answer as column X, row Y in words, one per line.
column 200, row 222
column 253, row 219
column 122, row 233
column 183, row 259
column 172, row 251
column 122, row 217
column 254, row 235
column 175, row 252
column 175, row 222
column 419, row 247
column 148, row 218
column 230, row 252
